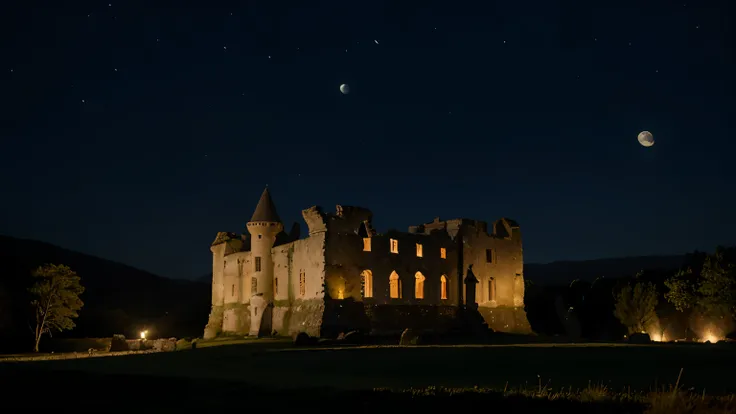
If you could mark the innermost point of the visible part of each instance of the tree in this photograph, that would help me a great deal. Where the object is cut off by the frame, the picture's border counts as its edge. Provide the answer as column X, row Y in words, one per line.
column 682, row 289
column 712, row 291
column 635, row 306
column 717, row 287
column 56, row 299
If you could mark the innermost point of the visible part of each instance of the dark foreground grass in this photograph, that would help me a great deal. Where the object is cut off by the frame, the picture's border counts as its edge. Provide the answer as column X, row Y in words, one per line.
column 538, row 378
column 87, row 392
column 640, row 368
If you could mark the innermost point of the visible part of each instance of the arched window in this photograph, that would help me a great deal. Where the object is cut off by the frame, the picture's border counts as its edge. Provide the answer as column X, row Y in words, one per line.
column 394, row 285
column 443, row 287
column 366, row 278
column 419, row 285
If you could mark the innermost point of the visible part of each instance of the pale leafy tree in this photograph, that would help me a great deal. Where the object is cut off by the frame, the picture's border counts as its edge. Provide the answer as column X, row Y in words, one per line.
column 56, row 299
column 635, row 306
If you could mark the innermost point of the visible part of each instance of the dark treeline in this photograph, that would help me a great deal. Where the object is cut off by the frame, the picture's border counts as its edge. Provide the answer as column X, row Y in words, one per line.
column 118, row 299
column 584, row 309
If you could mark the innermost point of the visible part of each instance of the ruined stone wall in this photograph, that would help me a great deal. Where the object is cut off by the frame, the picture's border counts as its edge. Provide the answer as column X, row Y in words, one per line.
column 506, row 265
column 396, row 318
column 298, row 304
column 347, row 260
column 506, row 268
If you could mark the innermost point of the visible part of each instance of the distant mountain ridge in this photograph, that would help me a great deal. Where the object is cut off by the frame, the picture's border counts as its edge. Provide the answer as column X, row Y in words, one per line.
column 118, row 298
column 562, row 272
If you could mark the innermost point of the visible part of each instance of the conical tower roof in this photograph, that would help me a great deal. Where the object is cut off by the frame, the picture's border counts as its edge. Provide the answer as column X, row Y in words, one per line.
column 266, row 210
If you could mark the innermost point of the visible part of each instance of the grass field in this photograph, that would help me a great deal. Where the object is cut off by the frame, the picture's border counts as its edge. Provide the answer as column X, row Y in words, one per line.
column 278, row 365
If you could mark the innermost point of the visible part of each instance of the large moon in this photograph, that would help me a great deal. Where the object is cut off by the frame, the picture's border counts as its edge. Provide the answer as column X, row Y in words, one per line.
column 345, row 89
column 646, row 139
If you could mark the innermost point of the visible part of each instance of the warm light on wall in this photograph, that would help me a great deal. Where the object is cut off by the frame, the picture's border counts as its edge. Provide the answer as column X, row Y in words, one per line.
column 710, row 336
column 340, row 294
column 656, row 337
column 143, row 334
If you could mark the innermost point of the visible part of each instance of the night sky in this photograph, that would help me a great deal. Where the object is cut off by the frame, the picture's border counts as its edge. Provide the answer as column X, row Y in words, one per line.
column 135, row 131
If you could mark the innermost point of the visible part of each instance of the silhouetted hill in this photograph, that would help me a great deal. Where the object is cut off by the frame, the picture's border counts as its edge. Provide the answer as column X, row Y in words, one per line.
column 118, row 298
column 564, row 272
column 205, row 278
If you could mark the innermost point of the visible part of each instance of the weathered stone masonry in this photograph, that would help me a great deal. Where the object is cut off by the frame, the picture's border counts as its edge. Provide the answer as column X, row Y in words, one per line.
column 344, row 275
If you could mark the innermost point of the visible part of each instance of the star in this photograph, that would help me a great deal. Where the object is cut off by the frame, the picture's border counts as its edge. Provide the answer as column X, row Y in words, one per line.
column 82, row 100
column 376, row 41
column 224, row 48
column 115, row 69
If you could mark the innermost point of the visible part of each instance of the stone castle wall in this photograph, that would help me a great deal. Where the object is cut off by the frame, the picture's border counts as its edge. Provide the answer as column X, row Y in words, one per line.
column 319, row 281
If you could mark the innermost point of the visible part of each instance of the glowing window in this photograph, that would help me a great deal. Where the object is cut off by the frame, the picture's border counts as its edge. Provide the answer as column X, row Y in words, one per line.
column 419, row 250
column 443, row 253
column 367, row 278
column 394, row 246
column 443, row 287
column 419, row 285
column 366, row 244
column 394, row 285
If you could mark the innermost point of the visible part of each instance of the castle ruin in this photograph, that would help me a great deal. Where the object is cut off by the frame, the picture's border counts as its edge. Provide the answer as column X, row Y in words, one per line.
column 345, row 276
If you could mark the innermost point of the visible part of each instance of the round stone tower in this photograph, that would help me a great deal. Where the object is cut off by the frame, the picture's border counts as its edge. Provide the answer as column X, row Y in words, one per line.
column 263, row 228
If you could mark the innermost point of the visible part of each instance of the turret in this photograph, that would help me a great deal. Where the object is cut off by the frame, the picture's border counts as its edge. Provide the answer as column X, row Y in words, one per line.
column 263, row 227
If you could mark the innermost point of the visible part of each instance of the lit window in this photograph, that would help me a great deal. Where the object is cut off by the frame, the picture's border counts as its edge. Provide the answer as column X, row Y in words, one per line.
column 419, row 250
column 443, row 287
column 489, row 256
column 443, row 253
column 302, row 283
column 394, row 286
column 258, row 264
column 419, row 286
column 367, row 279
column 394, row 246
column 366, row 244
